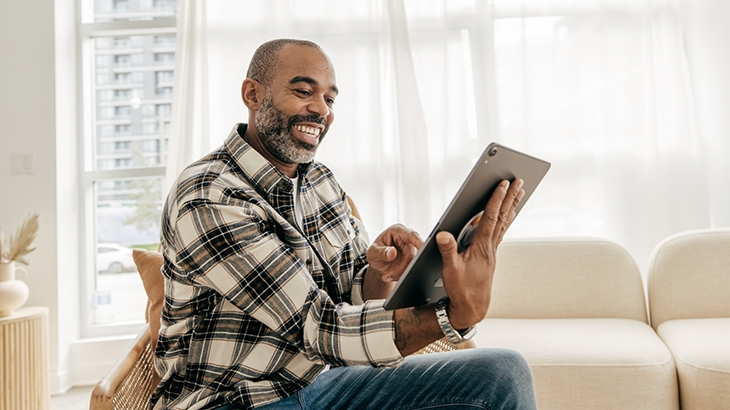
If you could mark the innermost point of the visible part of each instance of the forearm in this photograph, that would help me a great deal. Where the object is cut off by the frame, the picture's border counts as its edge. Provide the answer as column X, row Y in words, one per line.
column 416, row 328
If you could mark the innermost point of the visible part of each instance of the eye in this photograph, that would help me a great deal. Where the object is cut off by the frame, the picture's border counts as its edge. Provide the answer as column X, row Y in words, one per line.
column 330, row 101
column 303, row 93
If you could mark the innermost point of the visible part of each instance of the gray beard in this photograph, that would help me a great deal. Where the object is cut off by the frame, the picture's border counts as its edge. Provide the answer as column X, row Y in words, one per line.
column 275, row 133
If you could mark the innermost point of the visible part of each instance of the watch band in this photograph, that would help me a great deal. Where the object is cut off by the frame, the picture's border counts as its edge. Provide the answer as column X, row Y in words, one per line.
column 453, row 335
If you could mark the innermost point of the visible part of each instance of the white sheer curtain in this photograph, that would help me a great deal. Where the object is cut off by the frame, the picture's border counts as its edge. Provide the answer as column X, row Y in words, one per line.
column 190, row 122
column 599, row 88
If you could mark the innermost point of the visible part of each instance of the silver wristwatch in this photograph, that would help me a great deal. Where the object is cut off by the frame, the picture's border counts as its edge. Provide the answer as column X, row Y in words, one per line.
column 453, row 335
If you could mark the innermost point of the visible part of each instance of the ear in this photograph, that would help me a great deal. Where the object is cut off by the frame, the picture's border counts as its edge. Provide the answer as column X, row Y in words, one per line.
column 252, row 93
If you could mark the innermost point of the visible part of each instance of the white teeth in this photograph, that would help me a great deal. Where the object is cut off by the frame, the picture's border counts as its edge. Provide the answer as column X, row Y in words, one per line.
column 308, row 130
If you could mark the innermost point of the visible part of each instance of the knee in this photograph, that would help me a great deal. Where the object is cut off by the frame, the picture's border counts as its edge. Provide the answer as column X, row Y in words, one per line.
column 510, row 375
column 502, row 361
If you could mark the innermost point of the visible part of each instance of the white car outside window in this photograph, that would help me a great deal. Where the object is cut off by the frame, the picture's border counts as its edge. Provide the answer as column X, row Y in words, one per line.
column 114, row 258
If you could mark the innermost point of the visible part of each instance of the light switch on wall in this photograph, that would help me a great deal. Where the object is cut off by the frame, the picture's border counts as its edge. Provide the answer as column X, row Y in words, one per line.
column 21, row 164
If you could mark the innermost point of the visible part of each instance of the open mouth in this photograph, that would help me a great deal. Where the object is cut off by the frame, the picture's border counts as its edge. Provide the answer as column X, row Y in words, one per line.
column 308, row 134
column 310, row 131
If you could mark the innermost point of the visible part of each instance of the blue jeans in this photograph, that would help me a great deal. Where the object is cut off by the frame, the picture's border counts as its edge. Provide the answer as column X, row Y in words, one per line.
column 492, row 379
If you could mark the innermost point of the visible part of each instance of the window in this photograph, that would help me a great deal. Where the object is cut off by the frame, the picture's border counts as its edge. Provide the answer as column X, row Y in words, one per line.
column 103, row 61
column 106, row 95
column 164, row 110
column 121, row 78
column 149, row 128
column 147, row 110
column 164, row 92
column 165, row 57
column 123, row 161
column 164, row 77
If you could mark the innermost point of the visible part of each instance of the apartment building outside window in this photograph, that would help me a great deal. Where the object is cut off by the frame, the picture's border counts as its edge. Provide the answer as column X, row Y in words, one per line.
column 128, row 60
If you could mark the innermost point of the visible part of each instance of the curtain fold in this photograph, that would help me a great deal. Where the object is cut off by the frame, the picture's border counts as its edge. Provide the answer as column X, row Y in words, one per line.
column 190, row 118
column 598, row 88
column 413, row 166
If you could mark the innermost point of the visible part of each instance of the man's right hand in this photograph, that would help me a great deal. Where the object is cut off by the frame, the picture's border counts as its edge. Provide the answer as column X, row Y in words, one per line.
column 468, row 275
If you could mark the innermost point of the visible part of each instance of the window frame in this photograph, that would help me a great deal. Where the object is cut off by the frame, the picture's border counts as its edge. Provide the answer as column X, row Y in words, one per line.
column 88, row 31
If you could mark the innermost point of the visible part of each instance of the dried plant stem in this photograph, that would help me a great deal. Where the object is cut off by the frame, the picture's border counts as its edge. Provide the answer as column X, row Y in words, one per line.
column 23, row 242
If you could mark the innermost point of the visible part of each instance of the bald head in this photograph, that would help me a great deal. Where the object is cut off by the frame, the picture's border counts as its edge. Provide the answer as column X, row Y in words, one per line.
column 265, row 60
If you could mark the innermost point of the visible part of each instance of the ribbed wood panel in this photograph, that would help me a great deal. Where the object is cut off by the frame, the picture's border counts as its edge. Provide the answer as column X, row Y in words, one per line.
column 24, row 373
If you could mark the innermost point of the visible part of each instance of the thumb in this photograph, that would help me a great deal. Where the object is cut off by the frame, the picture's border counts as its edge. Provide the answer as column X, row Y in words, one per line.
column 447, row 247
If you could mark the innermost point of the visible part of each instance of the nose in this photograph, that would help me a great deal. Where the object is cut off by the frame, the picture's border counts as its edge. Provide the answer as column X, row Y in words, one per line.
column 319, row 106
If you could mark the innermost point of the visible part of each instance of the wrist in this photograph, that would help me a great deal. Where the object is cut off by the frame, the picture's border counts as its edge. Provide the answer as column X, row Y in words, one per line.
column 457, row 317
column 373, row 286
column 452, row 331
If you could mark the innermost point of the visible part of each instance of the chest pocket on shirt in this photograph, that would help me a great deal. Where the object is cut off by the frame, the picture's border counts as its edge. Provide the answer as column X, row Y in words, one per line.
column 338, row 240
column 340, row 236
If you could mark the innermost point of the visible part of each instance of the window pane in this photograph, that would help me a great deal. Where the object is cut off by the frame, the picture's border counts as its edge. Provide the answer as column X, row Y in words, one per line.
column 133, row 88
column 127, row 217
column 115, row 10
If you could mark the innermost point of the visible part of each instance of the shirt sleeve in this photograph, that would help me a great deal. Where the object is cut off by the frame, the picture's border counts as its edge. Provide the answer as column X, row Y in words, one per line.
column 357, row 286
column 233, row 249
column 356, row 294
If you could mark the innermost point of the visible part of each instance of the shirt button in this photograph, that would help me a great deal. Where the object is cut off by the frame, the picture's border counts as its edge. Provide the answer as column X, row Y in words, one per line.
column 309, row 262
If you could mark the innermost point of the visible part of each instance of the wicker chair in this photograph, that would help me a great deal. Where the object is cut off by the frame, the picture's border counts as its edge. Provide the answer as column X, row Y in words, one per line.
column 130, row 382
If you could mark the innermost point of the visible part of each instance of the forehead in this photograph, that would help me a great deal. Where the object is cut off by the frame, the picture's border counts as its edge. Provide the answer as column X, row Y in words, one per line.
column 302, row 61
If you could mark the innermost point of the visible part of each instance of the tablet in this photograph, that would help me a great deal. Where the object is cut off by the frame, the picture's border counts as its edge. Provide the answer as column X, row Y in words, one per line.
column 421, row 282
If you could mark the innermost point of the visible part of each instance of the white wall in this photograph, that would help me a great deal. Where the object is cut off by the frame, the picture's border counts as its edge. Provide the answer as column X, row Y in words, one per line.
column 38, row 116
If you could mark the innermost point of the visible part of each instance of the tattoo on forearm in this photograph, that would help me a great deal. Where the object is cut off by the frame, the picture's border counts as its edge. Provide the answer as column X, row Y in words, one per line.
column 405, row 325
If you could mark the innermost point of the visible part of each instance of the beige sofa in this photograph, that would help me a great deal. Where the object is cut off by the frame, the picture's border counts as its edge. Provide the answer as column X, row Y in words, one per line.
column 575, row 308
column 689, row 300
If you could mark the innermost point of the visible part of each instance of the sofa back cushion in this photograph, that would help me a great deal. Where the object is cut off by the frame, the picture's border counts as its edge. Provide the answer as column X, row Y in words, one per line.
column 566, row 278
column 689, row 276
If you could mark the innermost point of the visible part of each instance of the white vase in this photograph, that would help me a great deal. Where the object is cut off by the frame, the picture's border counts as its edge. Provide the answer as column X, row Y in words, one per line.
column 13, row 292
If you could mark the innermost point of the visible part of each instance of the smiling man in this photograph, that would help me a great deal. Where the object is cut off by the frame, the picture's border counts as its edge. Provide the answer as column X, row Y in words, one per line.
column 274, row 294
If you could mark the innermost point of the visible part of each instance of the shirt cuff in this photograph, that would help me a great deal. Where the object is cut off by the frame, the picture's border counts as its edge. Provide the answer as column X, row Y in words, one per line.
column 378, row 335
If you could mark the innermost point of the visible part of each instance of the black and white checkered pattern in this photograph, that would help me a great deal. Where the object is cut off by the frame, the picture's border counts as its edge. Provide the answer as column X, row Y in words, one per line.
column 255, row 308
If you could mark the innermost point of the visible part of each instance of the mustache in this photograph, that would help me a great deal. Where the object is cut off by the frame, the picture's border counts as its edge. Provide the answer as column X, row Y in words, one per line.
column 307, row 118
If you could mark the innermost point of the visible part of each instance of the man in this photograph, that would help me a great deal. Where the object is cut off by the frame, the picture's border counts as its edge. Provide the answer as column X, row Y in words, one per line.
column 273, row 296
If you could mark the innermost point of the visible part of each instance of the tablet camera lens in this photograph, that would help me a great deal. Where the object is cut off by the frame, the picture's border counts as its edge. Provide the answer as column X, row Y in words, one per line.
column 493, row 152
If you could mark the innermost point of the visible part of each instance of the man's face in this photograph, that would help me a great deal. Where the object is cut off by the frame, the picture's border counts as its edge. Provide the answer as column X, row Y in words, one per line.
column 275, row 130
column 296, row 111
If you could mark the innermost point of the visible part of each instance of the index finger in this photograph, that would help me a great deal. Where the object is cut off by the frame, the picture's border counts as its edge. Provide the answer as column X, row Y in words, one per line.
column 490, row 220
column 402, row 236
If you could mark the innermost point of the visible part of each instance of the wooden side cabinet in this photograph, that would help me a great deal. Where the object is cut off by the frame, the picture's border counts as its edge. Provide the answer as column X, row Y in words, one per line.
column 24, row 368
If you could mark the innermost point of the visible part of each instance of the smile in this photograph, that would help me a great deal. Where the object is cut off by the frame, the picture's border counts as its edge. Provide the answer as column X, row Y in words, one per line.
column 314, row 132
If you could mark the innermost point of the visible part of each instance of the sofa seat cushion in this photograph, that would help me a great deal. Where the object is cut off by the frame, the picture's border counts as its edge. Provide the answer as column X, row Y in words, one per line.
column 593, row 364
column 701, row 350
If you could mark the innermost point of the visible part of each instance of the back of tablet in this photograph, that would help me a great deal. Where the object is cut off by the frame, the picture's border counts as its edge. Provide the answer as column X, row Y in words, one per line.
column 421, row 282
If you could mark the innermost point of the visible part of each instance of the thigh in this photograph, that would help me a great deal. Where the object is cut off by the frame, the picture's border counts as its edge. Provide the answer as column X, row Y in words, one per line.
column 470, row 379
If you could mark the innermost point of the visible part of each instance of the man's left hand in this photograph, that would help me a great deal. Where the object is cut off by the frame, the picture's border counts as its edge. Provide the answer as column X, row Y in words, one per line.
column 392, row 251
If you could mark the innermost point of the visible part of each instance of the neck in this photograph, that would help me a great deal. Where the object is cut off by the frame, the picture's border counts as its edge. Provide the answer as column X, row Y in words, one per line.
column 252, row 137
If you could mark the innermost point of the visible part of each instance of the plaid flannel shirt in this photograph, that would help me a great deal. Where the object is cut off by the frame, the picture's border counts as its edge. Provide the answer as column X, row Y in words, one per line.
column 255, row 308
